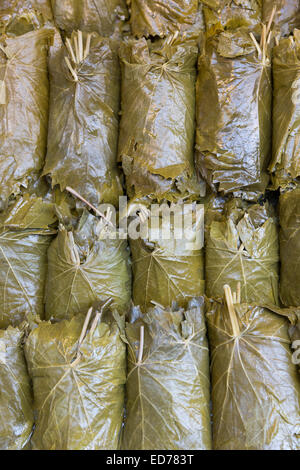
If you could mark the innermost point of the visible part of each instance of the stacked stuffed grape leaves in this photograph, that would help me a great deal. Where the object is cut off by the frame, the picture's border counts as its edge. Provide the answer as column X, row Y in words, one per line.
column 168, row 380
column 152, row 18
column 156, row 143
column 16, row 401
column 78, row 369
column 83, row 122
column 234, row 97
column 255, row 385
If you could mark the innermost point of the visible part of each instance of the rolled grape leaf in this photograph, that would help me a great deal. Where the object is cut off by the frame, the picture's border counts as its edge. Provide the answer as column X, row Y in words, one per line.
column 285, row 164
column 233, row 138
column 166, row 267
column 101, row 16
column 84, row 122
column 156, row 144
column 24, row 90
column 16, row 401
column 287, row 15
column 242, row 245
column 168, row 392
column 152, row 18
column 85, row 266
column 290, row 248
column 231, row 14
column 18, row 17
column 25, row 236
column 78, row 371
column 255, row 385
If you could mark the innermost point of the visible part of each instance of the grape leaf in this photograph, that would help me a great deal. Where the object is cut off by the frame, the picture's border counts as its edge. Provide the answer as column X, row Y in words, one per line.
column 157, row 149
column 285, row 164
column 78, row 386
column 24, row 115
column 16, row 418
column 290, row 248
column 25, row 237
column 152, row 18
column 243, row 249
column 101, row 16
column 168, row 391
column 255, row 385
column 287, row 16
column 84, row 121
column 79, row 275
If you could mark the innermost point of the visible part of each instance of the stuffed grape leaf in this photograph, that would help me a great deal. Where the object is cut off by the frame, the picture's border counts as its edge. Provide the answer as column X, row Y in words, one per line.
column 84, row 121
column 168, row 391
column 287, row 14
column 242, row 246
column 25, row 237
column 85, row 266
column 152, row 18
column 23, row 110
column 255, row 385
column 101, row 16
column 285, row 163
column 79, row 380
column 290, row 248
column 234, row 97
column 156, row 143
column 167, row 269
column 16, row 402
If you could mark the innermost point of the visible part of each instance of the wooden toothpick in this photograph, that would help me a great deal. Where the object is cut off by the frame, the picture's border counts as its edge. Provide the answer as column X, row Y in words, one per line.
column 141, row 348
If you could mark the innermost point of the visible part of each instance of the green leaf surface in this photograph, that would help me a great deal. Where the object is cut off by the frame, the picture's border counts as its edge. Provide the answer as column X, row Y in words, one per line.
column 168, row 391
column 101, row 16
column 24, row 240
column 18, row 17
column 16, row 403
column 290, row 248
column 152, row 18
